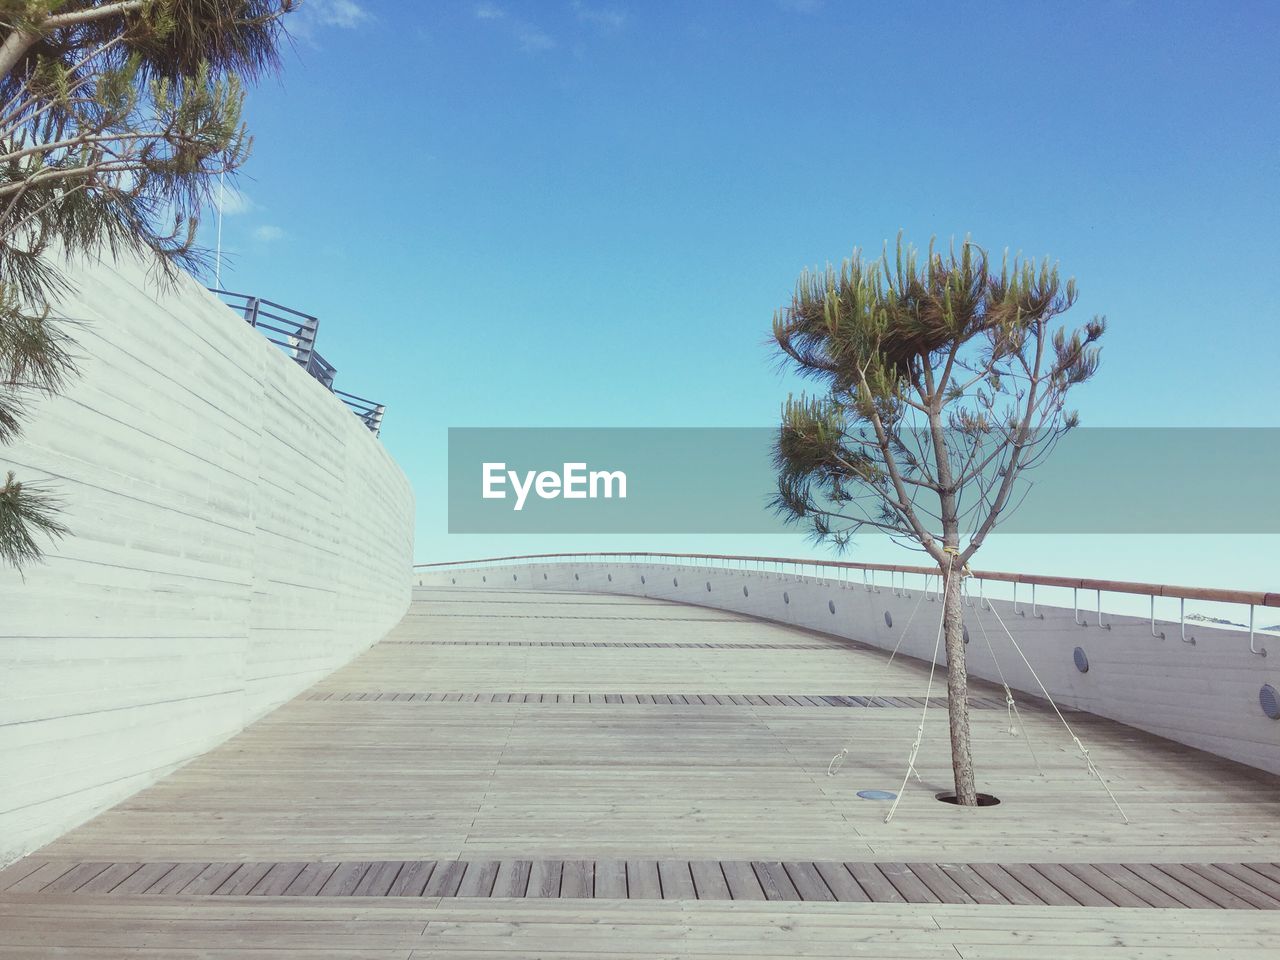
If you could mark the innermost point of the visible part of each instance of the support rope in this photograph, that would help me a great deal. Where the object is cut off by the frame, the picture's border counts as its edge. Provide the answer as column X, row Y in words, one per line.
column 1089, row 764
column 1015, row 717
column 838, row 760
column 928, row 692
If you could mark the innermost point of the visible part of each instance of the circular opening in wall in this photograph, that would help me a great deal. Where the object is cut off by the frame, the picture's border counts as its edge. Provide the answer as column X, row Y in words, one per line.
column 888, row 619
column 786, row 597
column 744, row 592
column 984, row 799
column 708, row 586
column 675, row 582
column 831, row 605
column 966, row 634
column 877, row 795
column 1081, row 659
column 1269, row 700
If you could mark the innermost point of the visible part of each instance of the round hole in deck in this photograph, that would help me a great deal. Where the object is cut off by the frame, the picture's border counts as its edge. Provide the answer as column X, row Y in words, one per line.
column 611, row 578
column 675, row 582
column 831, row 605
column 513, row 576
column 966, row 634
column 1269, row 700
column 544, row 576
column 642, row 578
column 877, row 795
column 888, row 619
column 1081, row 659
column 984, row 799
column 786, row 597
column 576, row 577
column 455, row 579
column 744, row 592
column 484, row 579
column 708, row 586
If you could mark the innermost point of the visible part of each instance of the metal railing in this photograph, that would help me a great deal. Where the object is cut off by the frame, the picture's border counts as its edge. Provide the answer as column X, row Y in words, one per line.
column 1250, row 598
column 295, row 333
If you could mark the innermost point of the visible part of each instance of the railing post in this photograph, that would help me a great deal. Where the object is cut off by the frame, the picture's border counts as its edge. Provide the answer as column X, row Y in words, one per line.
column 251, row 311
column 306, row 341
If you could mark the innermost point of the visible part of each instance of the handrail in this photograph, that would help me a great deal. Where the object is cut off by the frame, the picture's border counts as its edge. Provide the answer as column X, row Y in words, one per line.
column 300, row 344
column 1249, row 597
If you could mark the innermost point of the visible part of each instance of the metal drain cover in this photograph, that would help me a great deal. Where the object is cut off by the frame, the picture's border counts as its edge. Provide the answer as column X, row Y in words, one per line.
column 877, row 795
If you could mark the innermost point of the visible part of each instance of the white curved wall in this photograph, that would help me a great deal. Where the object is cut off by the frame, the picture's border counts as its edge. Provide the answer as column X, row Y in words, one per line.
column 1204, row 694
column 237, row 534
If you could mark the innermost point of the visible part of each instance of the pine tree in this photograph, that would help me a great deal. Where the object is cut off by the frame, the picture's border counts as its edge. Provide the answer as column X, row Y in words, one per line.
column 943, row 382
column 116, row 119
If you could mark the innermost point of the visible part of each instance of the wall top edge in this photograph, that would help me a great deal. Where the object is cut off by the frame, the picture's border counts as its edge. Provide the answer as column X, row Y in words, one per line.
column 1249, row 597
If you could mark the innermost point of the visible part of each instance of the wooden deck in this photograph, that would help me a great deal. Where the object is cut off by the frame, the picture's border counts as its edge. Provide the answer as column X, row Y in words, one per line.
column 561, row 776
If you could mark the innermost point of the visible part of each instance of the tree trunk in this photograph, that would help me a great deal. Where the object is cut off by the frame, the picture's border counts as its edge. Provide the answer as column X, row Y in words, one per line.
column 958, row 688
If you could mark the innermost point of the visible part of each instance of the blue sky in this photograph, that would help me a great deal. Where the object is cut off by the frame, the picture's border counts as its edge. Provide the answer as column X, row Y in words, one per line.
column 584, row 213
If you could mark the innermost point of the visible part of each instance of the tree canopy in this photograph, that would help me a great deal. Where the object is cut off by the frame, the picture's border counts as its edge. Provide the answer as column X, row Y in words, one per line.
column 943, row 381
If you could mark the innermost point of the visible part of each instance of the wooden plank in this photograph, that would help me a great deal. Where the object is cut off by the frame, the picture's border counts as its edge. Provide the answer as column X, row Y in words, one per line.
column 973, row 884
column 479, row 878
column 806, row 879
column 19, row 871
column 310, row 880
column 1256, row 880
column 1269, row 870
column 1009, row 886
column 512, row 878
column 143, row 878
column 907, row 883
column 840, row 882
column 642, row 880
column 175, row 880
column 445, row 879
column 207, row 880
column 874, row 883
column 41, row 877
column 1095, row 879
column 774, row 880
column 708, row 880
column 544, row 879
column 742, row 880
column 1072, row 885
column 1136, row 885
column 74, row 878
column 577, row 879
column 1206, row 888
column 110, row 878
column 943, row 887
column 378, row 879
column 1179, row 891
column 344, row 879
column 1232, row 884
column 611, row 879
column 1038, row 884
column 676, row 879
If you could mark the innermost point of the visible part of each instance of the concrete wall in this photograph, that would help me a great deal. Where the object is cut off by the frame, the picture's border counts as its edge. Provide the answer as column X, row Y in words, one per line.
column 238, row 534
column 1204, row 694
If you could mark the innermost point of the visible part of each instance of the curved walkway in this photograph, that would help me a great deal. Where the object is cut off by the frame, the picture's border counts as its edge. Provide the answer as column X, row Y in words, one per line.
column 549, row 775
